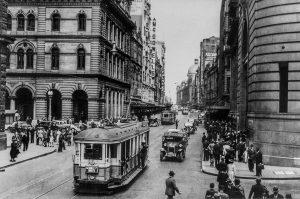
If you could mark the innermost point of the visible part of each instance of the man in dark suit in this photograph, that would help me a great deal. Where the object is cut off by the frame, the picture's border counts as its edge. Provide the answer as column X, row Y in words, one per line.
column 222, row 166
column 171, row 186
column 251, row 158
column 217, row 152
column 257, row 190
column 258, row 162
column 275, row 194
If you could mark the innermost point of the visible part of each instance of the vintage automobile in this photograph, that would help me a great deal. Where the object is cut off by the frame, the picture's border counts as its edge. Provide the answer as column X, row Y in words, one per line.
column 174, row 143
column 19, row 124
column 189, row 128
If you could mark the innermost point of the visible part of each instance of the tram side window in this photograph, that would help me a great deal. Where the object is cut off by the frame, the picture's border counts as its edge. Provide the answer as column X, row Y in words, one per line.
column 166, row 115
column 93, row 151
column 113, row 151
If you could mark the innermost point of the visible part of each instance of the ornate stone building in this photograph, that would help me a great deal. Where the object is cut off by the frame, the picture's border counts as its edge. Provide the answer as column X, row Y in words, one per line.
column 160, row 73
column 4, row 55
column 269, row 78
column 79, row 50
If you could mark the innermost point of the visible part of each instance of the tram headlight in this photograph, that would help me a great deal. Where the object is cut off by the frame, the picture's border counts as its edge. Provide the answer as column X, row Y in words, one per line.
column 165, row 144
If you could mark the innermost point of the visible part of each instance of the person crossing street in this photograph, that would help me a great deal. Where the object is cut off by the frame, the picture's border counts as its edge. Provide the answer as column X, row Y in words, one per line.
column 171, row 187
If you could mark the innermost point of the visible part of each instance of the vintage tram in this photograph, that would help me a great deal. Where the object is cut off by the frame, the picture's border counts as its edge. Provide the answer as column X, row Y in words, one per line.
column 168, row 117
column 108, row 159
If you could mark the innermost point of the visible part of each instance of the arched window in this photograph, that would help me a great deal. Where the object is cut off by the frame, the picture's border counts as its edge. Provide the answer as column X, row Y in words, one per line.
column 7, row 58
column 9, row 22
column 29, row 54
column 81, row 22
column 55, row 22
column 20, row 57
column 55, row 59
column 80, row 59
column 31, row 22
column 21, row 22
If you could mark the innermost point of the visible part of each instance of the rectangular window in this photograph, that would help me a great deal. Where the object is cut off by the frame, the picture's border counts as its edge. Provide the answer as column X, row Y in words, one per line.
column 113, row 150
column 93, row 151
column 283, row 93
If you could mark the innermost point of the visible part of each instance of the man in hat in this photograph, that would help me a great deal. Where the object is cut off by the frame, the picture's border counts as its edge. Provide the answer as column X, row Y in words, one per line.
column 222, row 166
column 276, row 194
column 251, row 157
column 258, row 162
column 171, row 186
column 258, row 190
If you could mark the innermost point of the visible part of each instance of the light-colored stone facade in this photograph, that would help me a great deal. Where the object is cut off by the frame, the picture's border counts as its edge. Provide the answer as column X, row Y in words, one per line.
column 269, row 86
column 101, row 82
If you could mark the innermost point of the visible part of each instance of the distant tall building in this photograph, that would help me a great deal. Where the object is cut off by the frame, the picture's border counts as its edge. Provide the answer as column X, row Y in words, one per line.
column 4, row 62
column 160, row 72
column 208, row 53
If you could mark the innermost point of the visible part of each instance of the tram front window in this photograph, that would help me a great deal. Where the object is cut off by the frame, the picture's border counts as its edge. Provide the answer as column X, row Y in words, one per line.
column 93, row 151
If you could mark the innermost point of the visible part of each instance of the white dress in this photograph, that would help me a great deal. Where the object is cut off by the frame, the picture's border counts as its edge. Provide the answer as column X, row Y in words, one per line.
column 231, row 171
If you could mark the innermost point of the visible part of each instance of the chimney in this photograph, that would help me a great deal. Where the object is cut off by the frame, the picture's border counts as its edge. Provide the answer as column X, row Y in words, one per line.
column 196, row 61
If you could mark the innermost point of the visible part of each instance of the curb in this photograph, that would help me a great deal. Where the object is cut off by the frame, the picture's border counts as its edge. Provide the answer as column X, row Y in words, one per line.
column 35, row 157
column 251, row 178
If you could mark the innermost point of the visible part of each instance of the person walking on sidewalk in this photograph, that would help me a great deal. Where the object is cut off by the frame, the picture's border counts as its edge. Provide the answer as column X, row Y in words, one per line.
column 251, row 157
column 258, row 162
column 237, row 190
column 171, row 187
column 31, row 129
column 14, row 151
column 231, row 170
column 25, row 140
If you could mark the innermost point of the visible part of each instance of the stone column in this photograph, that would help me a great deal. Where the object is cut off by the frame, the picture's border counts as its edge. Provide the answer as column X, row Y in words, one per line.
column 34, row 109
column 111, row 103
column 13, row 103
column 119, row 104
column 106, row 103
column 115, row 105
column 122, row 104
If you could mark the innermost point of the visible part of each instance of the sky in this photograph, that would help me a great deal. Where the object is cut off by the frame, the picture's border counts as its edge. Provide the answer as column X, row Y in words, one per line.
column 183, row 24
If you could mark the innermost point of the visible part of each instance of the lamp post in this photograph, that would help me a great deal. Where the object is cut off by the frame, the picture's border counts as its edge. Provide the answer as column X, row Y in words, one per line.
column 50, row 94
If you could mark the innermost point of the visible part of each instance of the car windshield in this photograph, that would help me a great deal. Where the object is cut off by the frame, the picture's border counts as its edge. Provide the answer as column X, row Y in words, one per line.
column 173, row 138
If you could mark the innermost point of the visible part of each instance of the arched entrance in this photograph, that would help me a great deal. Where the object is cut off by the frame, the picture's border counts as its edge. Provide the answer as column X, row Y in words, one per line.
column 24, row 103
column 56, row 105
column 80, row 106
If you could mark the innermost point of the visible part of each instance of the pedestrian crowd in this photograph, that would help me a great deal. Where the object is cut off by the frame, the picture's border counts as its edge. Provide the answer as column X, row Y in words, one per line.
column 46, row 135
column 223, row 146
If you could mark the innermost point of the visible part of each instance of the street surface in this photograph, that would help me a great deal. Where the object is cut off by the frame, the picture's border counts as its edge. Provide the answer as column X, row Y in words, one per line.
column 50, row 177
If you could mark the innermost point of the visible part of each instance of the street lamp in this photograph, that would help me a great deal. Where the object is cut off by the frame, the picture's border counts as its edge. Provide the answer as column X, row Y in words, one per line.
column 114, row 49
column 50, row 94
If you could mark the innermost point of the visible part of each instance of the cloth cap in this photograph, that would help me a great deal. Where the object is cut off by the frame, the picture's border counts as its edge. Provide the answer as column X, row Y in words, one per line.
column 275, row 188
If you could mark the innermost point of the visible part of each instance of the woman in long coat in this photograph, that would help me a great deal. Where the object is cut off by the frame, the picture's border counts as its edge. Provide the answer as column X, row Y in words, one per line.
column 14, row 151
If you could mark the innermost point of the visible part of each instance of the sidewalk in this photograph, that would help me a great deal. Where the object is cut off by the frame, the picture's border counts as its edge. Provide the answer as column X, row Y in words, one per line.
column 33, row 152
column 269, row 173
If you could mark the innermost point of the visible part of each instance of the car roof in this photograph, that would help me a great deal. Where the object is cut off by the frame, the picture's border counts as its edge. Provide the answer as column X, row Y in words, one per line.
column 188, row 124
column 173, row 130
column 175, row 133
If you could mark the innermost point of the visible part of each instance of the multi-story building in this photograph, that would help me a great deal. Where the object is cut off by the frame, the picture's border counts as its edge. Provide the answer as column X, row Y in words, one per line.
column 160, row 73
column 186, row 91
column 224, row 74
column 4, row 61
column 141, row 15
column 269, row 78
column 73, row 55
column 208, row 53
column 210, row 84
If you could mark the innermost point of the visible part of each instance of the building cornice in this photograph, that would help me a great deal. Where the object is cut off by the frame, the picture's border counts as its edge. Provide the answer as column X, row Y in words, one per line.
column 67, row 3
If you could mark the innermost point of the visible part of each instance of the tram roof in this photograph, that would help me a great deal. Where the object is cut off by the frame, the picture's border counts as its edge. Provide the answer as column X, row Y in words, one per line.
column 112, row 134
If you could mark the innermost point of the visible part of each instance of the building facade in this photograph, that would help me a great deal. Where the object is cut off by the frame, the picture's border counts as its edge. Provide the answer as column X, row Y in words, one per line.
column 141, row 15
column 4, row 61
column 160, row 73
column 78, row 50
column 269, row 78
column 208, row 53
